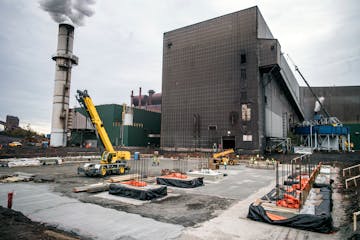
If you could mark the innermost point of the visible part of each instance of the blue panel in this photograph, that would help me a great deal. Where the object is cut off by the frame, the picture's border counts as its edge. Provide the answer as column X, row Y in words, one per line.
column 323, row 129
column 302, row 130
column 328, row 129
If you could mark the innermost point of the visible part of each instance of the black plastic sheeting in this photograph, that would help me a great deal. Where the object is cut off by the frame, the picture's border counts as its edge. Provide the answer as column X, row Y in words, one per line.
column 272, row 195
column 140, row 194
column 181, row 183
column 325, row 207
column 315, row 223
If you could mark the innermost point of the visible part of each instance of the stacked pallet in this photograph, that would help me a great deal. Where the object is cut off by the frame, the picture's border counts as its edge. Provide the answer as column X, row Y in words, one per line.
column 104, row 186
column 92, row 188
column 123, row 178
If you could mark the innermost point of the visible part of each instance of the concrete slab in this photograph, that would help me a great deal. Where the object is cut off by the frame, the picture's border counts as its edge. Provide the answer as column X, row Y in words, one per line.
column 38, row 203
column 132, row 201
column 239, row 183
column 234, row 224
column 208, row 175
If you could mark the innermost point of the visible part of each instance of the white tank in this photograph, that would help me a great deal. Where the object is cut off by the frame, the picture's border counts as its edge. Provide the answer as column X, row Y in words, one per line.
column 128, row 119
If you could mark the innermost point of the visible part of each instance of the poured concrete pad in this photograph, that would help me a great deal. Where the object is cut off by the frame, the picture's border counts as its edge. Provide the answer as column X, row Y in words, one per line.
column 208, row 175
column 239, row 183
column 38, row 203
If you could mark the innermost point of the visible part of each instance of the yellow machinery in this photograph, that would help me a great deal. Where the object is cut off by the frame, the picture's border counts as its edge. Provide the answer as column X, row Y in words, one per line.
column 112, row 162
column 222, row 157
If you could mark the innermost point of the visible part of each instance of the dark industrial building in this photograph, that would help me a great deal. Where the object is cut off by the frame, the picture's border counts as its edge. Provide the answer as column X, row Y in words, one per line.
column 225, row 81
column 143, row 130
column 12, row 122
column 342, row 102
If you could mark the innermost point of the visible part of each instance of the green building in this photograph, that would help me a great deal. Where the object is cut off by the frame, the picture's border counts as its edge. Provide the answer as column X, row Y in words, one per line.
column 354, row 134
column 145, row 130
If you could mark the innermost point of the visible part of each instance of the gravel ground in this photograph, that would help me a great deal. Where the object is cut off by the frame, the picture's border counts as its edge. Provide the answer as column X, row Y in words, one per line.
column 189, row 210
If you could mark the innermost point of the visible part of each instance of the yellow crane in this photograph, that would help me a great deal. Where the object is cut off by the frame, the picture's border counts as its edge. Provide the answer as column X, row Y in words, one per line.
column 223, row 156
column 111, row 162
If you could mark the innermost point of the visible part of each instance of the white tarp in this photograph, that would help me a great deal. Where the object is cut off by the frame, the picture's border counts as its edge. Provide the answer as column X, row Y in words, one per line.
column 303, row 150
column 23, row 162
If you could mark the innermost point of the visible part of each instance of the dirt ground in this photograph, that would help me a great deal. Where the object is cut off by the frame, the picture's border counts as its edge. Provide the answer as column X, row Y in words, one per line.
column 14, row 225
column 184, row 209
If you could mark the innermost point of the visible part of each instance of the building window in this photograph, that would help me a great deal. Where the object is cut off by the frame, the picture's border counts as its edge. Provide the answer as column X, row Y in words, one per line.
column 245, row 112
column 247, row 138
column 243, row 97
column 233, row 118
column 243, row 74
column 242, row 58
column 212, row 127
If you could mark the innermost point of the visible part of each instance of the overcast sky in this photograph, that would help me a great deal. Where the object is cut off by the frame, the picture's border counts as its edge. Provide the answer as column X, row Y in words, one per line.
column 120, row 47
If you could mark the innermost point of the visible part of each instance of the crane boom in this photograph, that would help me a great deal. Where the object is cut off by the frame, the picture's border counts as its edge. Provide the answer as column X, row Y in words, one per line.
column 85, row 100
column 308, row 85
column 223, row 154
column 112, row 161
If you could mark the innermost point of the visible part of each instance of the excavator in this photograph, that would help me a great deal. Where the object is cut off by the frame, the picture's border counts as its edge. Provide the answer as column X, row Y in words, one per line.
column 111, row 162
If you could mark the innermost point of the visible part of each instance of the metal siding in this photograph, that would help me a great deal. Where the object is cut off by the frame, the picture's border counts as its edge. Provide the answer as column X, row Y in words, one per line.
column 111, row 115
column 341, row 102
column 134, row 136
column 354, row 134
column 201, row 75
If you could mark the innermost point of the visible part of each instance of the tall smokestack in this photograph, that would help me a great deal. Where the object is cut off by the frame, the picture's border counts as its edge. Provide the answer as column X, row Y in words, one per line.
column 64, row 59
column 132, row 98
column 139, row 97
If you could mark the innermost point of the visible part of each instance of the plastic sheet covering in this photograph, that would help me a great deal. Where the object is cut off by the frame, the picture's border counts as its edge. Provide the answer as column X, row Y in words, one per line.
column 137, row 193
column 325, row 207
column 181, row 183
column 321, row 223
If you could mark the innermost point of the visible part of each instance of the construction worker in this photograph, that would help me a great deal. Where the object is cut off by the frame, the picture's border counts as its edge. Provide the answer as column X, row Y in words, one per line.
column 153, row 160
column 225, row 162
column 156, row 160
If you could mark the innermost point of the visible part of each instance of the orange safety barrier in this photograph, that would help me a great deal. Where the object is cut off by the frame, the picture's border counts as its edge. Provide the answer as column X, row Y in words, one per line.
column 175, row 175
column 275, row 217
column 135, row 183
column 304, row 186
column 289, row 202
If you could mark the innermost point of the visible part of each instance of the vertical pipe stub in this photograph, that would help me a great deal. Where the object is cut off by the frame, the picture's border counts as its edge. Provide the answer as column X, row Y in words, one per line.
column 64, row 59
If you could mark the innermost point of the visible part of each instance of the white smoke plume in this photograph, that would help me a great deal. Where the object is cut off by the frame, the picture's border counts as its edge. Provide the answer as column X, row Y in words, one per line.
column 74, row 11
column 317, row 104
